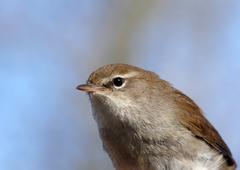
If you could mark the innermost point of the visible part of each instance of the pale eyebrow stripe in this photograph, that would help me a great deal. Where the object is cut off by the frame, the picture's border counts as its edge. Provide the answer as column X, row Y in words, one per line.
column 127, row 75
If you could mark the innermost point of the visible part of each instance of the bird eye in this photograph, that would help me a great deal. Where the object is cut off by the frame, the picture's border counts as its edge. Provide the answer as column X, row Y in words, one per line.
column 118, row 82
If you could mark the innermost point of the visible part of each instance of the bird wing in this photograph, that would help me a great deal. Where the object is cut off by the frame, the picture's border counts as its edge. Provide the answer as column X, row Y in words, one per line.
column 192, row 118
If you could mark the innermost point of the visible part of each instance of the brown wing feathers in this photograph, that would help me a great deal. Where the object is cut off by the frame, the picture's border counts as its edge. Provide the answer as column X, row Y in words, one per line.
column 192, row 118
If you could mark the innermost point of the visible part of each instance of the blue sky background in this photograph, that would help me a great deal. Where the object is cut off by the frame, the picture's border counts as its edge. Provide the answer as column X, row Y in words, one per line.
column 49, row 47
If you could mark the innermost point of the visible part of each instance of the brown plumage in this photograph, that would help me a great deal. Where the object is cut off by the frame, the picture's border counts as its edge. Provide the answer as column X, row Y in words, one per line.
column 146, row 124
column 194, row 120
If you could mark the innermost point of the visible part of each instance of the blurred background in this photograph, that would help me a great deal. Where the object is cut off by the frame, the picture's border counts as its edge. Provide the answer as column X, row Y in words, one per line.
column 48, row 47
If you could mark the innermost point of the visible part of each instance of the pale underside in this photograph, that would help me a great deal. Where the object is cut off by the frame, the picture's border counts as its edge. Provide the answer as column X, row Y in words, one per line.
column 156, row 127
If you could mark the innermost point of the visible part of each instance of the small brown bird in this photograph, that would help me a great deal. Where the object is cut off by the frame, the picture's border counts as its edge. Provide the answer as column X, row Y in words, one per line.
column 146, row 124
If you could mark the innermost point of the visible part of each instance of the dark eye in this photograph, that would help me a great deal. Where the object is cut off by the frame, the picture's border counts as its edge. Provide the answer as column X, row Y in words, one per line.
column 118, row 81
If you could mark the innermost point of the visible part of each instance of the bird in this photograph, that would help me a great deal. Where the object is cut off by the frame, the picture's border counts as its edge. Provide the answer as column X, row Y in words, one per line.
column 147, row 124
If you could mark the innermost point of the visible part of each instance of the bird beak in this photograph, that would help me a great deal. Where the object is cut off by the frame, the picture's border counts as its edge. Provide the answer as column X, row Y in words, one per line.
column 90, row 88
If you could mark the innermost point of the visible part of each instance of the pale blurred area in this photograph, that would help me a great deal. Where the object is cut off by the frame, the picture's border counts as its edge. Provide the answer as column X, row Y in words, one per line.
column 48, row 47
